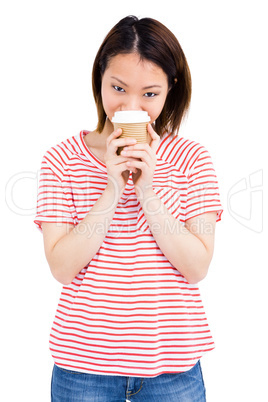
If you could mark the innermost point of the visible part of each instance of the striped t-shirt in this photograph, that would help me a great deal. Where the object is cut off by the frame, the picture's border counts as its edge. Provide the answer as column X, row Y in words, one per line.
column 129, row 311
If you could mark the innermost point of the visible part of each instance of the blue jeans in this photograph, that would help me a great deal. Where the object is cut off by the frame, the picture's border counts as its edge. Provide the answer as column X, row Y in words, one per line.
column 71, row 386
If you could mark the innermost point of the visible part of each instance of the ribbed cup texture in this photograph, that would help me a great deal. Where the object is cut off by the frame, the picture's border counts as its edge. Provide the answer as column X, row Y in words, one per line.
column 134, row 130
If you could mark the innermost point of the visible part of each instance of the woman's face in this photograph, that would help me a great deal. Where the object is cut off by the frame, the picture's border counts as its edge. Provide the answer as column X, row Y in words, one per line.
column 130, row 83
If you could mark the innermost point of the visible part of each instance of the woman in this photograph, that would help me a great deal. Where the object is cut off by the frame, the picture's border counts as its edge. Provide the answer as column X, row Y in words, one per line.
column 130, row 235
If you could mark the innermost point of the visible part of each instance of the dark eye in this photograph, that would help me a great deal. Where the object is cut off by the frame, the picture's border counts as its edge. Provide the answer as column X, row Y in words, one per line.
column 150, row 94
column 118, row 89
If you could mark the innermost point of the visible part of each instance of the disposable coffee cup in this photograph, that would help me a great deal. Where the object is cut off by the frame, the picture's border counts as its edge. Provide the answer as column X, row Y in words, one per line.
column 133, row 124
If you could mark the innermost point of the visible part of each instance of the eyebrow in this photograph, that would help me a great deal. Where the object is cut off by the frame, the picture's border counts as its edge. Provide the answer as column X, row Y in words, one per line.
column 147, row 87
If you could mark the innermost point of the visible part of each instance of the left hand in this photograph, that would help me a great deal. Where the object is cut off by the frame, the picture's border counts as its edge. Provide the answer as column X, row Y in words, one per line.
column 142, row 162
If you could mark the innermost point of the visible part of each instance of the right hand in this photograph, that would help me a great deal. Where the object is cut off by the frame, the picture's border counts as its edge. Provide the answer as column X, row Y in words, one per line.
column 117, row 168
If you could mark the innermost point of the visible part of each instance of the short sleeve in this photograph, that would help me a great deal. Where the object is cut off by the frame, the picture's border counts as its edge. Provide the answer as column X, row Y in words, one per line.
column 203, row 190
column 54, row 200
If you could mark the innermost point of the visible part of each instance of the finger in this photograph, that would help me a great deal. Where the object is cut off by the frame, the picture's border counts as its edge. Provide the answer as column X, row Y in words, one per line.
column 131, row 168
column 124, row 142
column 117, row 160
column 155, row 137
column 141, row 163
column 134, row 165
column 134, row 153
column 141, row 152
column 113, row 142
column 115, row 134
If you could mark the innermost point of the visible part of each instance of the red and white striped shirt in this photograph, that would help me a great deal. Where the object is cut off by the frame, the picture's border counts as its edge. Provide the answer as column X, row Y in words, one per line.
column 129, row 311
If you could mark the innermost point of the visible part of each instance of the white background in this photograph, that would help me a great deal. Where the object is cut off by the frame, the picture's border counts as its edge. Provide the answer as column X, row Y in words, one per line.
column 47, row 51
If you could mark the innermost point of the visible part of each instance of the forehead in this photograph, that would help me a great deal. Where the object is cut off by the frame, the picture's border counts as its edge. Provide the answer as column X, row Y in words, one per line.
column 129, row 65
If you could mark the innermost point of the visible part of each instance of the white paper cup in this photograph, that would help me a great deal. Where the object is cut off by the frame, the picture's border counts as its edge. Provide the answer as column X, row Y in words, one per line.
column 133, row 124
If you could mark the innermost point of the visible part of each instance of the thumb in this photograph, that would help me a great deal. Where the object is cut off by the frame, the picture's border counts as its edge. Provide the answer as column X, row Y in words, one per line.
column 155, row 137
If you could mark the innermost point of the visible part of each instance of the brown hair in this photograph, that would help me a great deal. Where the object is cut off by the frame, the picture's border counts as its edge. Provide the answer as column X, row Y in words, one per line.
column 156, row 43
